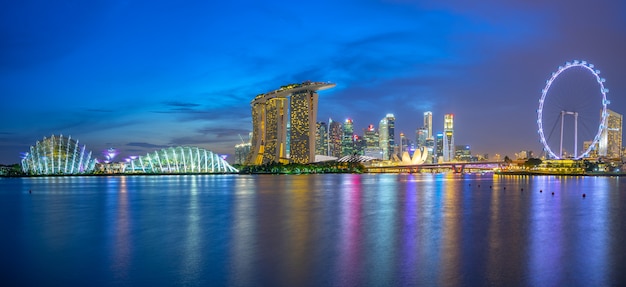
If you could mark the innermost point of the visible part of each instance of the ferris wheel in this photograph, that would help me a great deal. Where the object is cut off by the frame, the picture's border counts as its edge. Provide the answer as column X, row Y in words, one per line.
column 575, row 91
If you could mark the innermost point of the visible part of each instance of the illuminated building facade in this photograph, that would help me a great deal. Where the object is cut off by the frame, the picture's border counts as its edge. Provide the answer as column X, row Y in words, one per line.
column 428, row 124
column 57, row 155
column 321, row 139
column 335, row 133
column 438, row 148
column 242, row 151
column 448, row 137
column 296, row 103
column 463, row 153
column 386, row 132
column 372, row 146
column 421, row 136
column 347, row 138
column 610, row 144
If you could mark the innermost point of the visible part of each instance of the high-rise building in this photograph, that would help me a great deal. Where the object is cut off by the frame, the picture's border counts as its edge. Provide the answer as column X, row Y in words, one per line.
column 386, row 132
column 448, row 138
column 438, row 149
column 463, row 153
column 371, row 136
column 610, row 144
column 428, row 124
column 335, row 133
column 296, row 103
column 347, row 139
column 242, row 151
column 421, row 136
column 404, row 145
column 321, row 139
column 372, row 146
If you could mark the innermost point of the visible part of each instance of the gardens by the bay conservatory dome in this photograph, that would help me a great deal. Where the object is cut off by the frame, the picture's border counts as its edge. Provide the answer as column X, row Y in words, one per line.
column 57, row 155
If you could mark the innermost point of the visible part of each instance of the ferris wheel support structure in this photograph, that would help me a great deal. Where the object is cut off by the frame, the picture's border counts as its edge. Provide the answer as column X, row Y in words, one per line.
column 563, row 113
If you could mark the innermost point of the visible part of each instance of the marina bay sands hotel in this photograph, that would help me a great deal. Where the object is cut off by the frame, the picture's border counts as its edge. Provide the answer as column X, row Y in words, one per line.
column 295, row 104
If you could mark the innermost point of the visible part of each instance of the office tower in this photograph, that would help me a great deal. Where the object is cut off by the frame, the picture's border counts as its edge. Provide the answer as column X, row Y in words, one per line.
column 359, row 145
column 371, row 136
column 321, row 139
column 428, row 124
column 347, row 139
column 404, row 145
column 386, row 132
column 438, row 148
column 296, row 103
column 372, row 146
column 448, row 138
column 421, row 136
column 335, row 133
column 463, row 153
column 610, row 144
column 241, row 152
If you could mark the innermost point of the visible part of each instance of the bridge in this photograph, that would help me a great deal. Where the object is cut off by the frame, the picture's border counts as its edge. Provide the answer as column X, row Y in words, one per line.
column 456, row 167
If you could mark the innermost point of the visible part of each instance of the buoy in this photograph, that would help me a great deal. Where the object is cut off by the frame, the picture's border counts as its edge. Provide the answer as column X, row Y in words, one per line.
column 490, row 186
column 470, row 184
column 504, row 188
column 553, row 193
column 29, row 191
column 541, row 190
column 584, row 195
column 479, row 185
column 522, row 189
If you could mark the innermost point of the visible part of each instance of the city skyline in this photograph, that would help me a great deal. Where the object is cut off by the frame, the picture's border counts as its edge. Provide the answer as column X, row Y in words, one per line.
column 142, row 76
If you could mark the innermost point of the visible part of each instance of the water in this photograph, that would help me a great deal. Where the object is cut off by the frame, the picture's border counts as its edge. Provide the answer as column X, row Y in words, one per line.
column 313, row 230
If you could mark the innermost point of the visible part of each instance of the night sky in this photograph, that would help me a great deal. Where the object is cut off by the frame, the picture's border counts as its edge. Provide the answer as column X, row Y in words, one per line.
column 143, row 75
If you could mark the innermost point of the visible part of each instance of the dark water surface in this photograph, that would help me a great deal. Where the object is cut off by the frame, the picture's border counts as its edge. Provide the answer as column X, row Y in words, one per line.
column 313, row 230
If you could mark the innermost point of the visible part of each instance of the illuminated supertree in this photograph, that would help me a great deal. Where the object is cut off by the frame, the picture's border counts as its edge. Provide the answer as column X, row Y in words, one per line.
column 109, row 154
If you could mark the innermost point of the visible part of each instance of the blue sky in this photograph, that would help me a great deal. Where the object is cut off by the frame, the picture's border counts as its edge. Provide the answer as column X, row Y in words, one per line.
column 142, row 75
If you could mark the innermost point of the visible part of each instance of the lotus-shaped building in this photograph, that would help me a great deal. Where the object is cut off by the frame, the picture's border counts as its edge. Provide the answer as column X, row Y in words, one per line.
column 180, row 160
column 419, row 157
column 57, row 155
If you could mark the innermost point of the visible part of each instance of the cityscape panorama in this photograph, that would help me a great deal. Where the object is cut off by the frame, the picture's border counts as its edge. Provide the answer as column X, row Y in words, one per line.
column 285, row 130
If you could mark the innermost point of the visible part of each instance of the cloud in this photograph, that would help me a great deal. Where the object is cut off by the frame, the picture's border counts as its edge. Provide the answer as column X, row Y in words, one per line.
column 147, row 145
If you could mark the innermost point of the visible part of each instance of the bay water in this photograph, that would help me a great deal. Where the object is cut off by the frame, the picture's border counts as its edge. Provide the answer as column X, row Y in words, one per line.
column 313, row 230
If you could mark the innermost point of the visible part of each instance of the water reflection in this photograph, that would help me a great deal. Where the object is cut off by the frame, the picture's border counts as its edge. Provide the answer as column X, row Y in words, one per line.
column 350, row 239
column 244, row 233
column 121, row 228
column 341, row 230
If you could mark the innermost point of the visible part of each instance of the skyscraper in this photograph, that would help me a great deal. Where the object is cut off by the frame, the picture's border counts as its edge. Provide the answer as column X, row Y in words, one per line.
column 428, row 124
column 610, row 144
column 335, row 133
column 386, row 132
column 438, row 148
column 421, row 136
column 372, row 146
column 321, row 139
column 347, row 139
column 448, row 137
column 269, row 124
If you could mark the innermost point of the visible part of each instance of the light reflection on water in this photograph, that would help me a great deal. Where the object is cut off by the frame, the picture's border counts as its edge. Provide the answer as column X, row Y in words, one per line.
column 322, row 230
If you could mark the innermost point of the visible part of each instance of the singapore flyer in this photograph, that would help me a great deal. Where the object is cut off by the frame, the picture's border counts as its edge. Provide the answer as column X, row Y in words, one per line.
column 572, row 111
